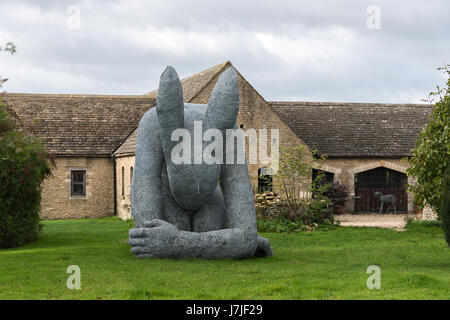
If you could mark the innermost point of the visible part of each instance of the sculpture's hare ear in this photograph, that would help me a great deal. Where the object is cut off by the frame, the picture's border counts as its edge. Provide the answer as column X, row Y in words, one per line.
column 169, row 103
column 223, row 105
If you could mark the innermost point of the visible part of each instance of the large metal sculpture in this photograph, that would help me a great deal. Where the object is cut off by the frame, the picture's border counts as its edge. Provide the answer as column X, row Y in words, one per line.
column 181, row 210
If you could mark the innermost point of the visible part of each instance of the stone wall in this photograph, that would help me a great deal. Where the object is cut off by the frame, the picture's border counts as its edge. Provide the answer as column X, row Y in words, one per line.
column 123, row 189
column 57, row 202
column 429, row 214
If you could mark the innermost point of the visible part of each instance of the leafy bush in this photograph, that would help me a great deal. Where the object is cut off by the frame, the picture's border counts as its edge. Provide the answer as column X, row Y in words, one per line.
column 432, row 151
column 302, row 202
column 318, row 211
column 445, row 206
column 337, row 193
column 24, row 164
column 278, row 217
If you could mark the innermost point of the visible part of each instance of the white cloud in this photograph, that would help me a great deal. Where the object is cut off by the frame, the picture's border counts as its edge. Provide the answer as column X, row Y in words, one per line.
column 309, row 47
column 295, row 50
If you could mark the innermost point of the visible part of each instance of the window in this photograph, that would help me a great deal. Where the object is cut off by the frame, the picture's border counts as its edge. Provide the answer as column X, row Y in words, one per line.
column 123, row 181
column 131, row 175
column 322, row 178
column 265, row 181
column 78, row 183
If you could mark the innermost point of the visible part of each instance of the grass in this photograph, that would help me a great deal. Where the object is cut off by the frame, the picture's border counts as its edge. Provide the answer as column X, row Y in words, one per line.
column 323, row 264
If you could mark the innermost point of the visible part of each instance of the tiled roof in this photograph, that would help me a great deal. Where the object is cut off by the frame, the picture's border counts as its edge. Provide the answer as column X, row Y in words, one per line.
column 128, row 148
column 355, row 129
column 192, row 85
column 80, row 124
column 99, row 125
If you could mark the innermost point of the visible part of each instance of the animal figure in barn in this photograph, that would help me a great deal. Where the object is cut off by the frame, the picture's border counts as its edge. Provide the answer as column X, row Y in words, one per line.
column 388, row 199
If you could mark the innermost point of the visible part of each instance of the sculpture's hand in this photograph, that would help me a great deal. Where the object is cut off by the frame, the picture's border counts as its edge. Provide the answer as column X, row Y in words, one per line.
column 263, row 249
column 155, row 240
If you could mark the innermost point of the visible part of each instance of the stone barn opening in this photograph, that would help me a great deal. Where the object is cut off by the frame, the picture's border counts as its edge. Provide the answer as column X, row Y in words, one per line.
column 265, row 181
column 327, row 177
column 380, row 179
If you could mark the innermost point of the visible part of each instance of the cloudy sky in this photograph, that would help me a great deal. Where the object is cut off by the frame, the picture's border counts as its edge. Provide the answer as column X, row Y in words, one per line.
column 353, row 51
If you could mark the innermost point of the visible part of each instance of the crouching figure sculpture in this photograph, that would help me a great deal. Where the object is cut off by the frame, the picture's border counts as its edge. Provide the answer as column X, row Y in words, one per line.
column 180, row 209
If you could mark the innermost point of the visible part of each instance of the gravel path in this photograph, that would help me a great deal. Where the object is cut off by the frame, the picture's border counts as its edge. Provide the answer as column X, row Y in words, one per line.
column 391, row 221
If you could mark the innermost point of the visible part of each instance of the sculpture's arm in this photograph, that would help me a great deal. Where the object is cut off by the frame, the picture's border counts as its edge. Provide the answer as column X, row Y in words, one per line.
column 146, row 184
column 240, row 206
column 240, row 240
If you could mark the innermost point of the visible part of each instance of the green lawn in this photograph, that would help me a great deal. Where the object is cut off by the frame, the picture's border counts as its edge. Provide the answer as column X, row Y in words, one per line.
column 324, row 264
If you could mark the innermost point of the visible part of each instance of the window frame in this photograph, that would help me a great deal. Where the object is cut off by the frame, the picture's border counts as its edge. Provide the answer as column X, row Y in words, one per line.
column 73, row 183
column 131, row 174
column 123, row 182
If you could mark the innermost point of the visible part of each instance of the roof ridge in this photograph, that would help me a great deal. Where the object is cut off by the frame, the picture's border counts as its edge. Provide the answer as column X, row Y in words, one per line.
column 67, row 95
column 123, row 141
column 210, row 68
column 251, row 86
column 186, row 79
column 224, row 64
column 366, row 104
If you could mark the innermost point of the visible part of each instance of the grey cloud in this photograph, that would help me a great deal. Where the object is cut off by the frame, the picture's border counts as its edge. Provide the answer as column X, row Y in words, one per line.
column 123, row 46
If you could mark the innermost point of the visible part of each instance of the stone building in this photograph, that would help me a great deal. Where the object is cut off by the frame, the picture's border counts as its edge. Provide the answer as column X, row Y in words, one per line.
column 94, row 140
column 365, row 145
column 81, row 131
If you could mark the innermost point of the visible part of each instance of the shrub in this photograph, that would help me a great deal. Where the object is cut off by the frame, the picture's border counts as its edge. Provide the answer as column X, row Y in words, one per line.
column 432, row 151
column 301, row 198
column 318, row 211
column 445, row 206
column 337, row 193
column 293, row 178
column 278, row 216
column 280, row 210
column 24, row 164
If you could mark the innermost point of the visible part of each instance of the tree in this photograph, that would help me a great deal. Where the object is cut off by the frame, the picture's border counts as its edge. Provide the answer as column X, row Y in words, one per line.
column 24, row 164
column 303, row 196
column 12, row 49
column 445, row 206
column 432, row 151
